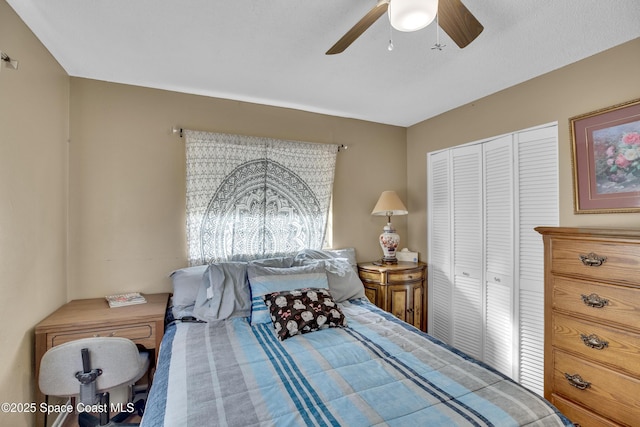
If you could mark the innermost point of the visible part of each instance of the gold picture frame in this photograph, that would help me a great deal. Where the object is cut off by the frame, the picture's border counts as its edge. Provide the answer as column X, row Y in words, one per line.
column 606, row 159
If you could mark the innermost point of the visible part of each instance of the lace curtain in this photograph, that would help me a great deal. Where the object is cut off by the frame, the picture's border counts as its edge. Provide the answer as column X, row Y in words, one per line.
column 251, row 197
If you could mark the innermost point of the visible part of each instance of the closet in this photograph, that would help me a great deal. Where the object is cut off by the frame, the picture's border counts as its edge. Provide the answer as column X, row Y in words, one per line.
column 486, row 262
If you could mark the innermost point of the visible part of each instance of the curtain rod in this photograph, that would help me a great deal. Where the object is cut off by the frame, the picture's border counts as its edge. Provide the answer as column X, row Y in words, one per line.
column 180, row 132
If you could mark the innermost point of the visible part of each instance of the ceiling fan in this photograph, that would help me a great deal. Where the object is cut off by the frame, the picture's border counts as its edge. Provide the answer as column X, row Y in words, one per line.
column 453, row 17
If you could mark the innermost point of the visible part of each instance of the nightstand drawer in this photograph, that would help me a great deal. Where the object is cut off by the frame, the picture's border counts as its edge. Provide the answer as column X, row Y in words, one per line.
column 141, row 334
column 405, row 276
column 617, row 262
column 371, row 276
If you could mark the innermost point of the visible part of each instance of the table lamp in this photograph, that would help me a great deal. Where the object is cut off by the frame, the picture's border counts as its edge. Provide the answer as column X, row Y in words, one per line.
column 389, row 204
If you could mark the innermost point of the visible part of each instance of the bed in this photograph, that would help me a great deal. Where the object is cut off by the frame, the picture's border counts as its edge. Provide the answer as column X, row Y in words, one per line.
column 362, row 367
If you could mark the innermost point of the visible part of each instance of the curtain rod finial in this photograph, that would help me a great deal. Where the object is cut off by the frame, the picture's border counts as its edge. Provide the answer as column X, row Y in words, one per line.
column 177, row 130
column 9, row 63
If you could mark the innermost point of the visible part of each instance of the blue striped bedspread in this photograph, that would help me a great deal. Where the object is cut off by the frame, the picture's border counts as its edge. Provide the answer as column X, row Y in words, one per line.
column 377, row 371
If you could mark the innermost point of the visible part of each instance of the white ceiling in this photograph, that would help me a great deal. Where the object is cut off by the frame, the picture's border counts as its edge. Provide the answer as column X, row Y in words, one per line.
column 272, row 51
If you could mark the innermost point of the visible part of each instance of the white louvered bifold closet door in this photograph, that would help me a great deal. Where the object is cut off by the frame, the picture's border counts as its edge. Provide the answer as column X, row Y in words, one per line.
column 486, row 282
column 440, row 278
column 538, row 205
column 468, row 306
column 498, row 252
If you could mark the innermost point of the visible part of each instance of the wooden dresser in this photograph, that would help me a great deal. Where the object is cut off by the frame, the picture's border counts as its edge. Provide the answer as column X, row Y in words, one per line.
column 399, row 289
column 592, row 324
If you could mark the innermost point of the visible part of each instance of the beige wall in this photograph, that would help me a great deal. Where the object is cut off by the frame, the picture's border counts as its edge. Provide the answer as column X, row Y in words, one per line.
column 127, row 185
column 34, row 118
column 105, row 213
column 606, row 79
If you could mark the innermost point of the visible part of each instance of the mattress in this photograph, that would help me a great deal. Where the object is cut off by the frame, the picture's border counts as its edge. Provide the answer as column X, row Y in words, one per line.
column 376, row 371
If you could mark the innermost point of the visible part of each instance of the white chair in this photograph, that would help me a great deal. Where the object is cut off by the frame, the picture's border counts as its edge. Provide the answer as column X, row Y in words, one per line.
column 93, row 370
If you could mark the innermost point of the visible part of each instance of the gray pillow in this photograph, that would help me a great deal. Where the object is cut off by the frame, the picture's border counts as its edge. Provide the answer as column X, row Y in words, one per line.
column 279, row 262
column 344, row 282
column 341, row 268
column 310, row 254
column 224, row 292
column 186, row 282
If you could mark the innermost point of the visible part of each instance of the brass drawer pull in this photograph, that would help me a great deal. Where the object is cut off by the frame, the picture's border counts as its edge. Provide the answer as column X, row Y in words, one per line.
column 594, row 300
column 593, row 341
column 592, row 260
column 112, row 334
column 577, row 381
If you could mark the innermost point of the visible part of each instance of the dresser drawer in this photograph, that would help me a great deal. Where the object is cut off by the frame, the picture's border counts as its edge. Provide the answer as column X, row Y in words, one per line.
column 598, row 343
column 141, row 334
column 608, row 303
column 580, row 416
column 405, row 276
column 608, row 262
column 614, row 394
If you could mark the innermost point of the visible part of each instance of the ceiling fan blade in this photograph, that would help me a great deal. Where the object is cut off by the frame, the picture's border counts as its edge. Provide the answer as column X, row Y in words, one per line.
column 456, row 20
column 357, row 30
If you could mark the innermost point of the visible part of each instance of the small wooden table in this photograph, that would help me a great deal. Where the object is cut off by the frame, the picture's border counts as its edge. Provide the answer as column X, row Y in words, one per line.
column 398, row 288
column 84, row 318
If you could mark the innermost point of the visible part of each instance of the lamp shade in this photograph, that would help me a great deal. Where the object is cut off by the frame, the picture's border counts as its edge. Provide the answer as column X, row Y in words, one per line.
column 389, row 204
column 412, row 15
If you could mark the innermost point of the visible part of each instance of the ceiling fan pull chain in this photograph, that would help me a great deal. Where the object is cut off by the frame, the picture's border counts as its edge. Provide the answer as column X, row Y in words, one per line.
column 390, row 46
column 438, row 46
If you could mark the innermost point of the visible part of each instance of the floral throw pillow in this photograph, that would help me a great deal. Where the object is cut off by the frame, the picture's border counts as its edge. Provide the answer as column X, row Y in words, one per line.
column 303, row 310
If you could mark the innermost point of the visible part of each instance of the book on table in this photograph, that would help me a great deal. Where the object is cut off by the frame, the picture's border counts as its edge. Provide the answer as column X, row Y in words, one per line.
column 129, row 298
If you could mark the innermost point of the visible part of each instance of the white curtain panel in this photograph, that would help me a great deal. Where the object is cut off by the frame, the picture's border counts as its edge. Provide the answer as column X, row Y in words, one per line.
column 251, row 197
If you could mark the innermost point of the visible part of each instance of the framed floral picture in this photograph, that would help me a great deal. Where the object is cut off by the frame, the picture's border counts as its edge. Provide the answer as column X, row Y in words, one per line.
column 606, row 159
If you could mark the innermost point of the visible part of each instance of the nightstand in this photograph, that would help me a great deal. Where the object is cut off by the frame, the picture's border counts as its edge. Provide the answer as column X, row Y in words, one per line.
column 84, row 318
column 400, row 289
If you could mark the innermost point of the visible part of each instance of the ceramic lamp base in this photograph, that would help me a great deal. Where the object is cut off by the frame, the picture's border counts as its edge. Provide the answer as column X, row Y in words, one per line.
column 389, row 241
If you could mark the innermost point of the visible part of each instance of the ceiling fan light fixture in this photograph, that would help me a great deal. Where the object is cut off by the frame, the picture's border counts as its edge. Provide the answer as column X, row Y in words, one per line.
column 412, row 15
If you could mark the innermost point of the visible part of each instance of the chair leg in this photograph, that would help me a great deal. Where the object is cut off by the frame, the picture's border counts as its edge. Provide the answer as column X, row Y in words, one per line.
column 87, row 420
